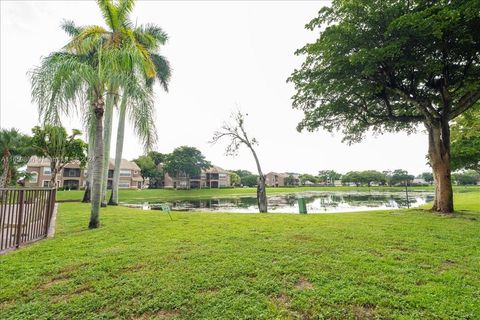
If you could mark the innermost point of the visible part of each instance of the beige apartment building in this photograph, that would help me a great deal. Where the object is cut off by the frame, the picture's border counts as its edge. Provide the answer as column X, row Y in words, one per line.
column 73, row 177
column 274, row 179
column 213, row 177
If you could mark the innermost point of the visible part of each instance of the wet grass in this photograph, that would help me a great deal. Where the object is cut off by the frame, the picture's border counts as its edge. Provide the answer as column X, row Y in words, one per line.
column 394, row 264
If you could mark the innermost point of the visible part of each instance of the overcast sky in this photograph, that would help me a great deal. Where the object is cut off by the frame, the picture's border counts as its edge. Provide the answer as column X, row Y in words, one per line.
column 223, row 55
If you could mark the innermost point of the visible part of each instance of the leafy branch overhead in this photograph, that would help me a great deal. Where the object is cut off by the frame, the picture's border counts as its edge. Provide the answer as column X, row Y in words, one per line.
column 388, row 65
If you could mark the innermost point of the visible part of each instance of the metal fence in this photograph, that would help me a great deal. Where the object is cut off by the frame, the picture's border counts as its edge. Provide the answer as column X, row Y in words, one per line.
column 25, row 215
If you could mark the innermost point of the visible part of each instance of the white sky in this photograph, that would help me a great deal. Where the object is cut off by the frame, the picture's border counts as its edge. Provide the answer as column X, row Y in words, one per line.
column 223, row 55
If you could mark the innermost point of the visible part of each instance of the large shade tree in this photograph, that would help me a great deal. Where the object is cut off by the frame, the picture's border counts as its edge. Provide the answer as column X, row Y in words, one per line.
column 185, row 161
column 389, row 66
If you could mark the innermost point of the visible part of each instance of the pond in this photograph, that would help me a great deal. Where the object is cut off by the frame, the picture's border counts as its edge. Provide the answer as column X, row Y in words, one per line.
column 317, row 202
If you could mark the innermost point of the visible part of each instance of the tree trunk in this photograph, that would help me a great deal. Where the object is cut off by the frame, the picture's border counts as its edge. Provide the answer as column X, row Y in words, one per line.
column 118, row 151
column 97, row 166
column 107, row 135
column 261, row 190
column 53, row 179
column 261, row 195
column 6, row 168
column 439, row 156
column 90, row 154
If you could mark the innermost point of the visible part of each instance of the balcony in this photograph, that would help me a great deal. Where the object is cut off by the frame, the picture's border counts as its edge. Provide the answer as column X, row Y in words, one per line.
column 71, row 172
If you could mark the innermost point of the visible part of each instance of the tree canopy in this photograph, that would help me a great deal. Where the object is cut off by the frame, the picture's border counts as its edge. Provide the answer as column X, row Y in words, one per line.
column 364, row 177
column 54, row 143
column 388, row 66
column 400, row 176
column 468, row 177
column 466, row 141
column 186, row 160
column 15, row 150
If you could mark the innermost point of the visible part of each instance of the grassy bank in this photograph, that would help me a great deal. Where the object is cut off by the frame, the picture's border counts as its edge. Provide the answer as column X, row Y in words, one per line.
column 127, row 195
column 408, row 264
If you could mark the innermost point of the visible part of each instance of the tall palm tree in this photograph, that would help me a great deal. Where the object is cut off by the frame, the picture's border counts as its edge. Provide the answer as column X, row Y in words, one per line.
column 151, row 37
column 60, row 83
column 119, row 34
column 70, row 80
column 92, row 67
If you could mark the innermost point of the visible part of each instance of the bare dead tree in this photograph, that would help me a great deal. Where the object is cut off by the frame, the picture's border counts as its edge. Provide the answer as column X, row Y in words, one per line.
column 235, row 132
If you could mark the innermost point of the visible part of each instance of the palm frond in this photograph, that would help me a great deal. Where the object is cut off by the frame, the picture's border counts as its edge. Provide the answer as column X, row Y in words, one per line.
column 141, row 112
column 156, row 32
column 124, row 8
column 163, row 70
column 59, row 83
column 87, row 40
column 109, row 13
column 70, row 28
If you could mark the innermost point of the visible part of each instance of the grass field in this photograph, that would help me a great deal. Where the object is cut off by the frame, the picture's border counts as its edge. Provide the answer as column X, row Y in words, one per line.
column 407, row 264
column 128, row 195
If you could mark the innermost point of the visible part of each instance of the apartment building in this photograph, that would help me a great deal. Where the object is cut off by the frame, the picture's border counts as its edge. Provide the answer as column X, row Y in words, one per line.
column 73, row 177
column 274, row 179
column 213, row 177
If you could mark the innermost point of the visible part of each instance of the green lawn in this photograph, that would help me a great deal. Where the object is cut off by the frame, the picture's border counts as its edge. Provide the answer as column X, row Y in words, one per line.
column 407, row 264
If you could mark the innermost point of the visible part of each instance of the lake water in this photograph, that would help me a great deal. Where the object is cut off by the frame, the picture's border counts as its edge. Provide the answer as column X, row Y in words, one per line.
column 317, row 202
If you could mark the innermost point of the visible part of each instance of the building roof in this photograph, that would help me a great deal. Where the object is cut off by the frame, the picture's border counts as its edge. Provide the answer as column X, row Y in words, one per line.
column 283, row 175
column 215, row 169
column 38, row 162
column 35, row 161
column 125, row 165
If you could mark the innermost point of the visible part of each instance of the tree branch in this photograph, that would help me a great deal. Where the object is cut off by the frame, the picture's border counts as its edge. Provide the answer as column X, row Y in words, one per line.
column 465, row 102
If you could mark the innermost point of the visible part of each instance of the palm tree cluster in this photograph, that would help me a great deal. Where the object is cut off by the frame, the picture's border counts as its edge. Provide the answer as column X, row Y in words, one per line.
column 99, row 70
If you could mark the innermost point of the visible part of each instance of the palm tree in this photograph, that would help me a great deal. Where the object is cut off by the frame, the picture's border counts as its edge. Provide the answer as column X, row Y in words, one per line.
column 151, row 37
column 93, row 66
column 14, row 150
column 69, row 80
column 119, row 35
column 60, row 83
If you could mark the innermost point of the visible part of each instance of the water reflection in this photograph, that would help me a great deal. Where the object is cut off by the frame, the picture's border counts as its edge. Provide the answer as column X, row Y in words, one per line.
column 317, row 202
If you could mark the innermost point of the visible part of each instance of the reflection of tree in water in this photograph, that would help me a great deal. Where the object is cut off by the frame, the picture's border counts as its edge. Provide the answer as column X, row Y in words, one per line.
column 315, row 202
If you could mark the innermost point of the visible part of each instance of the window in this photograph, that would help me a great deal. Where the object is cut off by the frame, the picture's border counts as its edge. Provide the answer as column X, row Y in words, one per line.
column 46, row 183
column 72, row 173
column 222, row 175
column 124, row 184
column 33, row 177
column 125, row 173
column 47, row 171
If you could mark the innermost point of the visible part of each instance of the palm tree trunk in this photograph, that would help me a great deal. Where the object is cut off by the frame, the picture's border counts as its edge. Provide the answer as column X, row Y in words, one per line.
column 90, row 154
column 107, row 136
column 119, row 151
column 97, row 166
column 6, row 169
column 54, row 173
